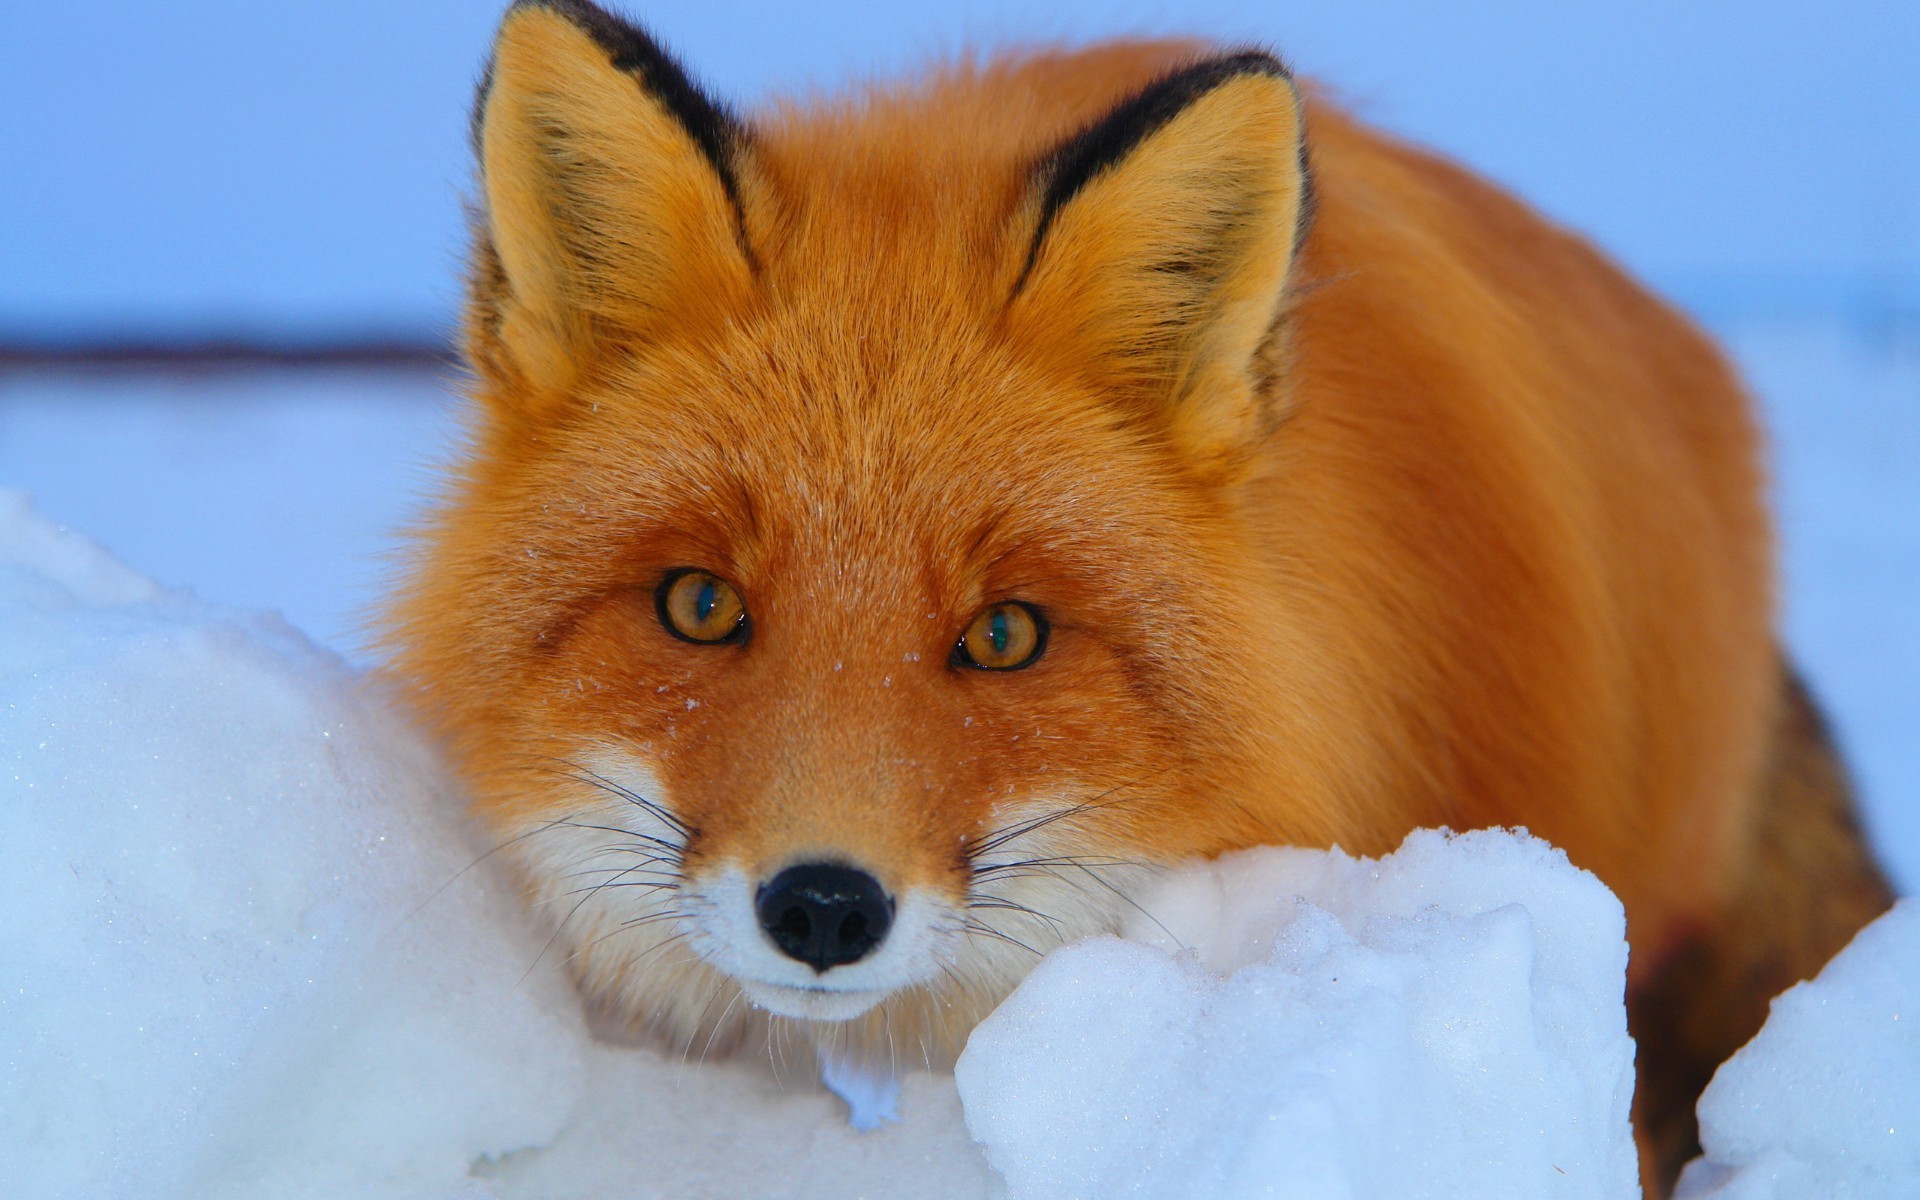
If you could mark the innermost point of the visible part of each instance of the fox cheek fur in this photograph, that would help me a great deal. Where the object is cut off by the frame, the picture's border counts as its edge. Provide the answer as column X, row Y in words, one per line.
column 1275, row 507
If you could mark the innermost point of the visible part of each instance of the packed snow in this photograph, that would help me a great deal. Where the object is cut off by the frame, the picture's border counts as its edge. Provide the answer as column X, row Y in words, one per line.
column 252, row 950
column 1446, row 1021
column 1825, row 1101
column 212, row 850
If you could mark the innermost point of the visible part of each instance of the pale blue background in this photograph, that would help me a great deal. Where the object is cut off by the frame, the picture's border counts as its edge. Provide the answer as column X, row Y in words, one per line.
column 208, row 164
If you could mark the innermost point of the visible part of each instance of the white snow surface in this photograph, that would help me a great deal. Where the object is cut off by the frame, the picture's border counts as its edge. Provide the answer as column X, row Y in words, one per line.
column 250, row 949
column 1446, row 1021
column 213, row 980
column 1825, row 1100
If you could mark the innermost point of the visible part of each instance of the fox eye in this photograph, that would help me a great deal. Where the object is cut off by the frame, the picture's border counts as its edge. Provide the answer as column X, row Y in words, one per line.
column 1003, row 637
column 699, row 606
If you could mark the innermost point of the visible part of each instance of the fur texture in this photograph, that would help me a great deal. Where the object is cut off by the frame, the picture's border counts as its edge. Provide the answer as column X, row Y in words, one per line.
column 1358, row 497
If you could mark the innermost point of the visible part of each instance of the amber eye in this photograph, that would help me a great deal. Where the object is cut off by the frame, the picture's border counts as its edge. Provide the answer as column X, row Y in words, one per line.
column 1002, row 638
column 697, row 606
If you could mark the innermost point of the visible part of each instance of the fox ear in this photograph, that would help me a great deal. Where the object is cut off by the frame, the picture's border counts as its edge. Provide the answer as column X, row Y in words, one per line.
column 1163, row 235
column 612, row 197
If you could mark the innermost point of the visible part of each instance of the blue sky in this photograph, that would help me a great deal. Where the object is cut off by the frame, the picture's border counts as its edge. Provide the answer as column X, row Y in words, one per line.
column 210, row 164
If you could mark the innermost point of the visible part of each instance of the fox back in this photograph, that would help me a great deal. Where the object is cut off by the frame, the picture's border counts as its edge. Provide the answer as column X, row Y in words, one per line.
column 893, row 525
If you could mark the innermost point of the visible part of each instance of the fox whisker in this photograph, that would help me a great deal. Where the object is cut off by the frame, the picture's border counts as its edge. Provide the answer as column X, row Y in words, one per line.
column 496, row 848
column 714, row 1030
column 975, row 925
column 977, row 902
column 586, row 775
column 622, row 928
column 1110, row 798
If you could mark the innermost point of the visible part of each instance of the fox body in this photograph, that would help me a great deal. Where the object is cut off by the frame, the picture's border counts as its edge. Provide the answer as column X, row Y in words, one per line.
column 894, row 525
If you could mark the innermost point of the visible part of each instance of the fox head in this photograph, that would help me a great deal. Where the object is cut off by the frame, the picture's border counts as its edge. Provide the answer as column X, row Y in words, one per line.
column 845, row 597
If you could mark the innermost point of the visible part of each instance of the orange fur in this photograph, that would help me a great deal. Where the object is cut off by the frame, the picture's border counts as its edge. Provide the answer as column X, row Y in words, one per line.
column 1440, row 520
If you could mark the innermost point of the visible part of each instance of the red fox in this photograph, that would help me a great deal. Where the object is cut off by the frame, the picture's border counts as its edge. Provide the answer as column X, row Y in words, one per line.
column 893, row 526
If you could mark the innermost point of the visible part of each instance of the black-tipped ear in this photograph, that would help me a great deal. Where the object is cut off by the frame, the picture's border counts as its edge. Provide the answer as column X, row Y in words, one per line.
column 613, row 194
column 1162, row 239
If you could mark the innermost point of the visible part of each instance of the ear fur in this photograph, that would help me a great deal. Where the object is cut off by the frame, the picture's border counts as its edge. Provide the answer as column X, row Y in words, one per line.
column 1163, row 235
column 611, row 197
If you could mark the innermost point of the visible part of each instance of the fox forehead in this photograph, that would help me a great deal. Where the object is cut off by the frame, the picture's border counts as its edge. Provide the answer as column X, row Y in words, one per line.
column 765, row 440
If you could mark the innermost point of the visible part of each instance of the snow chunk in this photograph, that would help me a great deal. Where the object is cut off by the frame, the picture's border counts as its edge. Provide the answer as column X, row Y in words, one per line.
column 1447, row 1021
column 654, row 1127
column 1825, row 1100
column 242, row 955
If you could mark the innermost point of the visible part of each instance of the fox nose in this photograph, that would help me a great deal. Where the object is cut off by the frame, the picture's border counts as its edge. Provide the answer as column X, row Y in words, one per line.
column 824, row 915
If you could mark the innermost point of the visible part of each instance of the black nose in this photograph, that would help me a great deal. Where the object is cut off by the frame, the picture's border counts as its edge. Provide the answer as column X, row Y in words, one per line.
column 824, row 915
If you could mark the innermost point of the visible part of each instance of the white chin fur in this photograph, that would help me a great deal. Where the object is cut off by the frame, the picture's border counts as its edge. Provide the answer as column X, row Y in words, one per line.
column 810, row 1004
column 662, row 949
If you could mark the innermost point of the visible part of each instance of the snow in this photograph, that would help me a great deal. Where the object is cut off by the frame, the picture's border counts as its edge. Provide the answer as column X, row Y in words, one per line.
column 1825, row 1101
column 1447, row 1021
column 228, row 972
column 275, row 490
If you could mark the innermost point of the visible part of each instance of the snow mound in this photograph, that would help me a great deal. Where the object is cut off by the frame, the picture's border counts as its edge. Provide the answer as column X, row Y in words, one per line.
column 1446, row 1021
column 1825, row 1100
column 212, row 847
